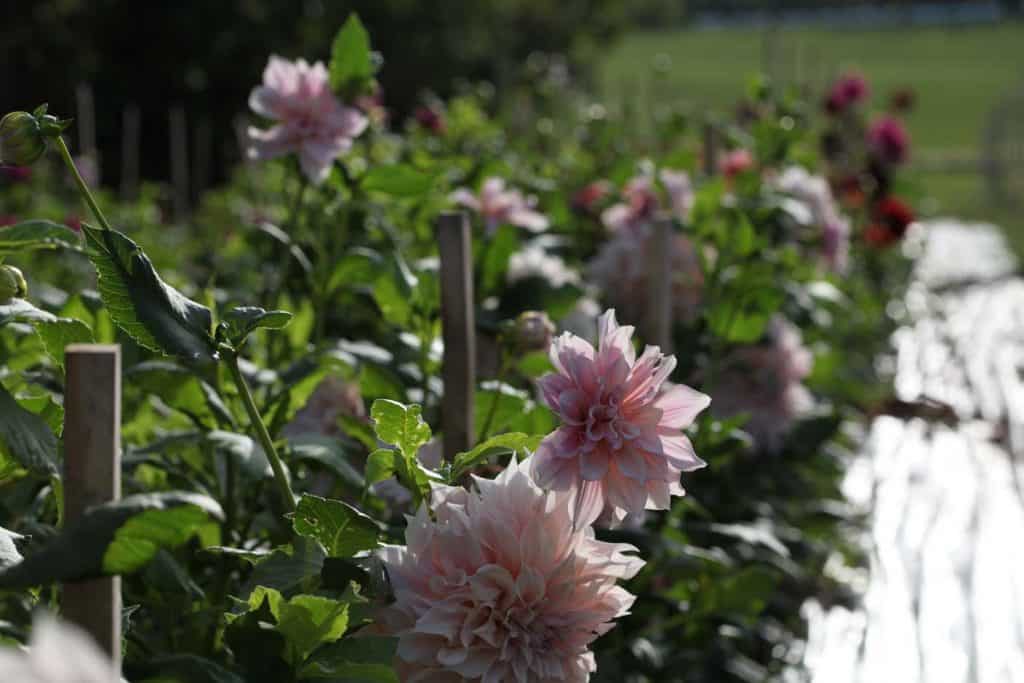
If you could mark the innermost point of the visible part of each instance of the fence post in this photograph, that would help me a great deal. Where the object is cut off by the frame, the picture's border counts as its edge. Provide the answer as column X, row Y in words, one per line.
column 710, row 142
column 458, row 327
column 659, row 312
column 92, row 475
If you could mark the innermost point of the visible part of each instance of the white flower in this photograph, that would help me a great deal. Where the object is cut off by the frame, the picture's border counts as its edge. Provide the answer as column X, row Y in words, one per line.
column 58, row 652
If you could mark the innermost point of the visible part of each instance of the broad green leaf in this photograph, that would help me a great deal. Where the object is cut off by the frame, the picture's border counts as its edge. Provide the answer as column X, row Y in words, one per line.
column 397, row 180
column 37, row 234
column 400, row 425
column 58, row 333
column 241, row 321
column 179, row 388
column 26, row 437
column 380, row 465
column 21, row 311
column 244, row 450
column 340, row 528
column 358, row 266
column 363, row 659
column 151, row 312
column 9, row 555
column 392, row 299
column 117, row 537
column 305, row 621
column 495, row 256
column 327, row 451
column 351, row 62
column 289, row 567
column 496, row 445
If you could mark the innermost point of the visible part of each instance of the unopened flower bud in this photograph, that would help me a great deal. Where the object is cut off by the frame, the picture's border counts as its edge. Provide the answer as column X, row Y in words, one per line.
column 12, row 284
column 23, row 135
column 532, row 331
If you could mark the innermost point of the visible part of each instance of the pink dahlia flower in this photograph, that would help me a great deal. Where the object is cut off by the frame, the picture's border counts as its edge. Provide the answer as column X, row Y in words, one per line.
column 621, row 269
column 500, row 205
column 735, row 162
column 620, row 445
column 640, row 200
column 765, row 381
column 816, row 207
column 500, row 585
column 311, row 122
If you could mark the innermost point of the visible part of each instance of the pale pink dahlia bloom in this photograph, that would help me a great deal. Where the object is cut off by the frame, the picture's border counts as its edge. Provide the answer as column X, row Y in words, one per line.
column 58, row 652
column 620, row 446
column 500, row 586
column 311, row 122
column 501, row 205
column 765, row 382
column 815, row 207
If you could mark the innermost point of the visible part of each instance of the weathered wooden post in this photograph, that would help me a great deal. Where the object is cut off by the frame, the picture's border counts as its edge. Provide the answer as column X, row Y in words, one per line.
column 658, row 320
column 710, row 140
column 458, row 327
column 92, row 475
column 179, row 162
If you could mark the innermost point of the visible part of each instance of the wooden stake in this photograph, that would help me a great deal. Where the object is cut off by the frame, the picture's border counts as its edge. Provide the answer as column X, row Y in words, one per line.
column 92, row 476
column 131, row 125
column 179, row 162
column 659, row 317
column 458, row 327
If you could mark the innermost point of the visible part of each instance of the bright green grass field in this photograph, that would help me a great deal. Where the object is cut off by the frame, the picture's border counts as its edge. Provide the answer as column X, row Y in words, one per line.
column 958, row 74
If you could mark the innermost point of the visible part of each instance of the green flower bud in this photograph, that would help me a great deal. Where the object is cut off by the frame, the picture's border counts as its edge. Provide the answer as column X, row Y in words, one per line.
column 532, row 331
column 12, row 284
column 23, row 135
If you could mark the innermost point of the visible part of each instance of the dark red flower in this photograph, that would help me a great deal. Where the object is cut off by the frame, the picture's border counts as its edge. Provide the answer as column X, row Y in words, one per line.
column 430, row 119
column 889, row 140
column 586, row 199
column 7, row 219
column 16, row 174
column 73, row 221
column 850, row 89
column 890, row 219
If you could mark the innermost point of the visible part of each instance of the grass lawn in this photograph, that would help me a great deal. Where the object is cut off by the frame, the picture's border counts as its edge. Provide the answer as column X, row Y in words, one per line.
column 959, row 74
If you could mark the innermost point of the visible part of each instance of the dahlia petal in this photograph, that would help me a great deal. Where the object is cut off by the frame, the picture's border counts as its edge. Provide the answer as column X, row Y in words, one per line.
column 594, row 464
column 679, row 452
column 680, row 405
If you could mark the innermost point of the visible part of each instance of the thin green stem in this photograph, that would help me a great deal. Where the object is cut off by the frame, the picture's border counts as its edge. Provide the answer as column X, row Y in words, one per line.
column 493, row 409
column 83, row 189
column 262, row 434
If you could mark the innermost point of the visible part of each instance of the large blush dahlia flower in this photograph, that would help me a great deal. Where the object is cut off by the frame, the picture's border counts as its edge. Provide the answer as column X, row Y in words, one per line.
column 620, row 447
column 499, row 205
column 311, row 122
column 58, row 652
column 500, row 586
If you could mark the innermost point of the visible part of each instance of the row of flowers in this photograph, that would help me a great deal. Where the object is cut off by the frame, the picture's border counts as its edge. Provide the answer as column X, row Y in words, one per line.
column 574, row 519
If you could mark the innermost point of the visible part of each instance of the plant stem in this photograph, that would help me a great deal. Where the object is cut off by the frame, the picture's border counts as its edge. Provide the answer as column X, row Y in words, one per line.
column 260, row 428
column 83, row 189
column 493, row 409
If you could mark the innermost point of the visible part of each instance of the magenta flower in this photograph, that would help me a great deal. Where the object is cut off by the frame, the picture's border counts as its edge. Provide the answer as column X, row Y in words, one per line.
column 765, row 382
column 311, row 122
column 500, row 205
column 500, row 585
column 851, row 89
column 620, row 444
column 889, row 140
column 735, row 162
column 640, row 200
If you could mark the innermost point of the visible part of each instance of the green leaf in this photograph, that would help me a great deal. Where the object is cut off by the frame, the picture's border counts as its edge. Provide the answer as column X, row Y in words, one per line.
column 37, row 234
column 380, row 465
column 185, row 669
column 180, row 389
column 340, row 528
column 351, row 63
column 9, row 555
column 397, row 180
column 363, row 659
column 21, row 311
column 241, row 321
column 501, row 444
column 244, row 450
column 150, row 311
column 305, row 621
column 115, row 538
column 289, row 567
column 57, row 334
column 400, row 425
column 495, row 257
column 327, row 451
column 358, row 266
column 27, row 438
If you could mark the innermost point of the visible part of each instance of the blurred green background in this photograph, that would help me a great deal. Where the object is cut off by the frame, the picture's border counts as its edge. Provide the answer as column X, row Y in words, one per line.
column 968, row 83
